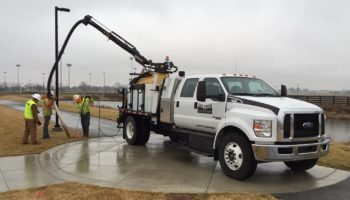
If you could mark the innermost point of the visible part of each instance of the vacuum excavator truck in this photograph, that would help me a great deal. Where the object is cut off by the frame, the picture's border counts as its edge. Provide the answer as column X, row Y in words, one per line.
column 237, row 119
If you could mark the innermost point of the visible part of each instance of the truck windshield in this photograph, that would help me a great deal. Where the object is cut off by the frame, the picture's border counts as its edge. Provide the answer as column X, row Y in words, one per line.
column 248, row 86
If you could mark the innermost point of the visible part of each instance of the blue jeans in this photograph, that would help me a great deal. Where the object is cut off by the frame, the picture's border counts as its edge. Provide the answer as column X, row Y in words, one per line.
column 46, row 126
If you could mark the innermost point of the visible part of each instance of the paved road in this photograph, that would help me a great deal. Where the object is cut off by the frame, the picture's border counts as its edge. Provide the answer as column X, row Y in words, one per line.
column 106, row 128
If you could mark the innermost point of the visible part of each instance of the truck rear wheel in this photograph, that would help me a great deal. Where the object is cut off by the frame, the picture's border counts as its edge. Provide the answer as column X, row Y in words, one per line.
column 136, row 131
column 236, row 157
column 301, row 165
column 144, row 131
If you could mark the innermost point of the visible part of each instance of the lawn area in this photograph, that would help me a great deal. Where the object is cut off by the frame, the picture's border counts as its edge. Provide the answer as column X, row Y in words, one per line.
column 338, row 156
column 105, row 113
column 11, row 134
column 69, row 191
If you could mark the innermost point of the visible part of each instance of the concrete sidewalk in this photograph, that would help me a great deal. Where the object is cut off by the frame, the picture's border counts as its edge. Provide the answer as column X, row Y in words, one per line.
column 156, row 166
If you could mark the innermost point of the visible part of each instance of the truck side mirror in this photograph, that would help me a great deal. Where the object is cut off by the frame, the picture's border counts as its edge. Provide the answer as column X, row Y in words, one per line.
column 283, row 91
column 201, row 91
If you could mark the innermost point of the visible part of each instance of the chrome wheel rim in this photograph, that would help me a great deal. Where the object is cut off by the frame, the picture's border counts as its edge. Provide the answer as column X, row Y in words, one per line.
column 130, row 130
column 233, row 156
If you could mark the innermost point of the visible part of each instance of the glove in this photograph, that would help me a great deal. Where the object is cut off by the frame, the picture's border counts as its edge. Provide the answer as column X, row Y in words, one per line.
column 39, row 123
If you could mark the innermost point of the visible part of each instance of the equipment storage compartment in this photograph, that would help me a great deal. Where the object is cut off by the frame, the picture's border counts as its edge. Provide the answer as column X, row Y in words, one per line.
column 136, row 97
column 151, row 98
column 167, row 100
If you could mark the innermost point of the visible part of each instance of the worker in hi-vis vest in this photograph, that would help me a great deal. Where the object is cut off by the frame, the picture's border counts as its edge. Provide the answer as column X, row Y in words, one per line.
column 31, row 119
column 83, row 104
column 48, row 102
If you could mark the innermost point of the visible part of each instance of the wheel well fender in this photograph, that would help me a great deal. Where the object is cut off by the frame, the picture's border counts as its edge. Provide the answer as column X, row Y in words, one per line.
column 223, row 132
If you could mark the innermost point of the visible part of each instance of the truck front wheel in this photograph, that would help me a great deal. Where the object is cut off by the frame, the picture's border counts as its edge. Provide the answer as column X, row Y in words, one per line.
column 236, row 157
column 301, row 165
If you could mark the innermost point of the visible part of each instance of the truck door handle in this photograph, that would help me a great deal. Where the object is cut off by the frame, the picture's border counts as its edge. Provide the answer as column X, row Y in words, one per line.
column 195, row 105
column 177, row 104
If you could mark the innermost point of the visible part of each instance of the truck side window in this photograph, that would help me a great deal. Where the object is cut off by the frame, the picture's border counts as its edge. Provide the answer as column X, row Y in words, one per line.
column 213, row 87
column 189, row 87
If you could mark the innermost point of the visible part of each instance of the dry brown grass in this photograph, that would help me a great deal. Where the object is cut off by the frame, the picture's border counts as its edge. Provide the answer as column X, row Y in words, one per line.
column 11, row 133
column 73, row 191
column 338, row 157
column 105, row 113
column 337, row 112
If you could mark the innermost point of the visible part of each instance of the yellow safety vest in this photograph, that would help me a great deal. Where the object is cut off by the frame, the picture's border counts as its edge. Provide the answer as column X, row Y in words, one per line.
column 84, row 106
column 28, row 109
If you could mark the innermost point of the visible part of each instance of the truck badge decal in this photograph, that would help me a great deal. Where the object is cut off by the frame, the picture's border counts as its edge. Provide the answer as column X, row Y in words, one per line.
column 206, row 109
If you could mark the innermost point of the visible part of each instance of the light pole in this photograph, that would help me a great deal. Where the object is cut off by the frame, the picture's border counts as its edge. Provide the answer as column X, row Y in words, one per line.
column 69, row 66
column 104, row 82
column 90, row 80
column 19, row 89
column 57, row 126
column 5, row 81
column 131, row 59
column 43, row 82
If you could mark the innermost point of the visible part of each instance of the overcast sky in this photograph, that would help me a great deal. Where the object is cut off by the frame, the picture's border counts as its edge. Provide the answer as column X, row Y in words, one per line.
column 303, row 42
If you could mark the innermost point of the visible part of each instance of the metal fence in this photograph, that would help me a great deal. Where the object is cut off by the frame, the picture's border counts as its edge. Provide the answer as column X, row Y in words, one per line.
column 324, row 100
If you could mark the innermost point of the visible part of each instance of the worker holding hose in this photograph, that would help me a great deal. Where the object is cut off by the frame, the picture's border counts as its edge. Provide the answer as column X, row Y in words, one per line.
column 47, row 112
column 83, row 104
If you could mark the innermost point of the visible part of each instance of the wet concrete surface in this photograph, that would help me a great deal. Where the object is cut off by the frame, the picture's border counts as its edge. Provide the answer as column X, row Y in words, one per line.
column 156, row 166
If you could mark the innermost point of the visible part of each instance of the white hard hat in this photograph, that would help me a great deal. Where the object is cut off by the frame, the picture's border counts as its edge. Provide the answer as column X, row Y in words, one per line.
column 75, row 97
column 36, row 96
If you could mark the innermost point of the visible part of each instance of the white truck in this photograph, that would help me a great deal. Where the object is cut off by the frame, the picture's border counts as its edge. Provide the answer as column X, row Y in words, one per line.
column 237, row 119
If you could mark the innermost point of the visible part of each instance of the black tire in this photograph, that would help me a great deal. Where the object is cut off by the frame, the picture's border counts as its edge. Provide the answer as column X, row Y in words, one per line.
column 136, row 131
column 130, row 130
column 302, row 165
column 240, row 166
column 144, row 131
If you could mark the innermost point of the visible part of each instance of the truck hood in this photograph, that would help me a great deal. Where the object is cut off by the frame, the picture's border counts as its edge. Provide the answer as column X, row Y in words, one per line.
column 282, row 103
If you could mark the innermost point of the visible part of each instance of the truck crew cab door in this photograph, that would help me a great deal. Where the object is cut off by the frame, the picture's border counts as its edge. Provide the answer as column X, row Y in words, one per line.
column 201, row 116
column 184, row 103
column 211, row 112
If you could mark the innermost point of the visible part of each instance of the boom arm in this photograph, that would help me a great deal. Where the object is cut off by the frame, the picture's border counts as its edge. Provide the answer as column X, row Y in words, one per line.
column 166, row 67
column 117, row 39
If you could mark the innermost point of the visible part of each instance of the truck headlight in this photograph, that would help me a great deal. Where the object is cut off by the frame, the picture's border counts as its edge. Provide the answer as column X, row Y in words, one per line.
column 262, row 128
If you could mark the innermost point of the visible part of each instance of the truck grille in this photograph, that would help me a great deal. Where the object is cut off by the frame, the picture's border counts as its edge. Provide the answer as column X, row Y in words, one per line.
column 303, row 125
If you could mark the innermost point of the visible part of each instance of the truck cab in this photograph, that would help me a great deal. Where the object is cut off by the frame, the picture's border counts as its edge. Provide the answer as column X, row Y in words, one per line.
column 240, row 121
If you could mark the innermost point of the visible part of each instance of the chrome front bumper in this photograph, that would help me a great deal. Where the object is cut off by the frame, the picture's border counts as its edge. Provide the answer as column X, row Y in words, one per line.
column 290, row 152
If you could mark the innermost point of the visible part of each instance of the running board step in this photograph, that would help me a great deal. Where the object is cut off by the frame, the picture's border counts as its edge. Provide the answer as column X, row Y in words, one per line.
column 184, row 147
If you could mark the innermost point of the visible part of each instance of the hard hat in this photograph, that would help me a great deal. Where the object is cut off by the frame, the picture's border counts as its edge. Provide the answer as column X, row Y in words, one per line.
column 36, row 96
column 76, row 97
